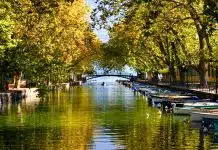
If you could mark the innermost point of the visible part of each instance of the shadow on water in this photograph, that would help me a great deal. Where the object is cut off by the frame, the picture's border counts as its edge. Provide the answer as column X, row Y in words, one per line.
column 96, row 117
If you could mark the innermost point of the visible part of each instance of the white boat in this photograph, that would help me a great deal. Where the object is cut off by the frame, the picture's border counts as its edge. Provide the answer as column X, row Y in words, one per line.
column 197, row 116
column 182, row 110
column 201, row 104
column 173, row 98
column 187, row 108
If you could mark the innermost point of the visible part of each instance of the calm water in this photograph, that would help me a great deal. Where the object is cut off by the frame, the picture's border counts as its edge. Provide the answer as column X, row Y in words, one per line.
column 96, row 117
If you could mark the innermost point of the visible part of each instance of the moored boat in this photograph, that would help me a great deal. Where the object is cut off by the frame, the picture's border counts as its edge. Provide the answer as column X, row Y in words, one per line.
column 173, row 98
column 197, row 116
column 187, row 108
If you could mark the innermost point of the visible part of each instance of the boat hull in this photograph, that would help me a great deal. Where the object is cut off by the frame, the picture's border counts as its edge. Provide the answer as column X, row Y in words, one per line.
column 198, row 116
column 182, row 111
column 191, row 107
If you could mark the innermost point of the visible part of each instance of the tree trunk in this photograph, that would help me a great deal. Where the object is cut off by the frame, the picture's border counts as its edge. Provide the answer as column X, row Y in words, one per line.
column 3, row 77
column 149, row 75
column 203, row 67
column 182, row 76
column 3, row 83
column 79, row 77
column 204, row 48
column 203, row 73
column 17, row 79
column 172, row 73
column 155, row 76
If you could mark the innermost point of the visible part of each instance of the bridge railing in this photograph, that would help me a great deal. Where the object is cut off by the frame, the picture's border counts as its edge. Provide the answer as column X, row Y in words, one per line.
column 127, row 76
column 109, row 75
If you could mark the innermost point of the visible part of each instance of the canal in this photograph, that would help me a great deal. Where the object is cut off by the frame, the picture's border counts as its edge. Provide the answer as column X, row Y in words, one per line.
column 96, row 117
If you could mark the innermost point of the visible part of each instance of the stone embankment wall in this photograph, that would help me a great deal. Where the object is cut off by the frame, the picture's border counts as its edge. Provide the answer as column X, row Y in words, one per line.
column 5, row 98
column 14, row 95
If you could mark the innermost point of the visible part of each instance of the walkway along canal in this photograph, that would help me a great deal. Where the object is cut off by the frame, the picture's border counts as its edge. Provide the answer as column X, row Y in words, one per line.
column 99, row 117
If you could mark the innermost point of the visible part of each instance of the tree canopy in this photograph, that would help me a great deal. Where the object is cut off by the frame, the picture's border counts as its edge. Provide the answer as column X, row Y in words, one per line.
column 46, row 41
column 157, row 35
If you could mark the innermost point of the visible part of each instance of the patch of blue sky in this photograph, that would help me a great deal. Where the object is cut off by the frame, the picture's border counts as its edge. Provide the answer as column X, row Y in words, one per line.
column 104, row 37
column 101, row 33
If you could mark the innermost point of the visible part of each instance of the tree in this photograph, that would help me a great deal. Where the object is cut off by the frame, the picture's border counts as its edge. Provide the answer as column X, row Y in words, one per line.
column 175, row 32
column 53, row 39
column 6, row 40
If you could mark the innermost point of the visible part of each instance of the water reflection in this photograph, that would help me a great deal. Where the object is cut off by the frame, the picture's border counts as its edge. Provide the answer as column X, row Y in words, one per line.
column 96, row 117
column 62, row 121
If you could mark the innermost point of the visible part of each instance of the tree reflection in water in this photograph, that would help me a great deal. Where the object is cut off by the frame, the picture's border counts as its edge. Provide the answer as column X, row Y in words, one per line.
column 95, row 117
column 58, row 122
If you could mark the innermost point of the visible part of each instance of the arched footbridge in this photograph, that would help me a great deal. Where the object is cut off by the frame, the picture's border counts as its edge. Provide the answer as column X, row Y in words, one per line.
column 89, row 77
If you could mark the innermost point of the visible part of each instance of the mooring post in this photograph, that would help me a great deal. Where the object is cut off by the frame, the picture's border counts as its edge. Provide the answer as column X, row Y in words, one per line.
column 216, row 78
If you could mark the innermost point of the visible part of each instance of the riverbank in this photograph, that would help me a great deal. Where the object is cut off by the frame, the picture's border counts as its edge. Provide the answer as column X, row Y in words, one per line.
column 201, row 93
column 16, row 94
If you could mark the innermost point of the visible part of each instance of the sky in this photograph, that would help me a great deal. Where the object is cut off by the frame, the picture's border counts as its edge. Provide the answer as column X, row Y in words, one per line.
column 102, row 34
